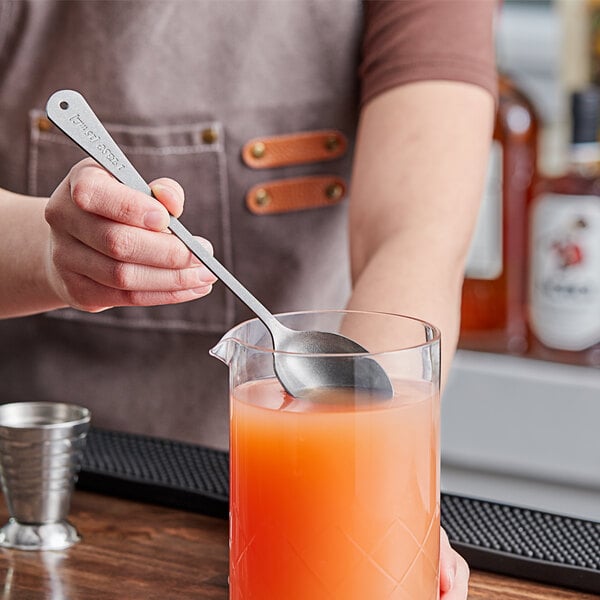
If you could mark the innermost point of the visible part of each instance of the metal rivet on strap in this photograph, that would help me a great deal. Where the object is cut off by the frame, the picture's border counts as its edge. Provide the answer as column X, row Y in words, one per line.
column 44, row 124
column 332, row 143
column 262, row 197
column 258, row 149
column 334, row 191
column 209, row 135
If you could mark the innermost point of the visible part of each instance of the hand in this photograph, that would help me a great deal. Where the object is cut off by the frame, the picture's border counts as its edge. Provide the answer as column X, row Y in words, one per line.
column 454, row 572
column 109, row 245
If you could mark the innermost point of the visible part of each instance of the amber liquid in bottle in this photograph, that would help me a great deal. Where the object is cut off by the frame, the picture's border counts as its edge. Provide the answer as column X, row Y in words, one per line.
column 564, row 265
column 494, row 292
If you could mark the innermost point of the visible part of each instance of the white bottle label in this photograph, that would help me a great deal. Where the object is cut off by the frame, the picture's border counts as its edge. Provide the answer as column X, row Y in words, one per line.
column 484, row 260
column 564, row 278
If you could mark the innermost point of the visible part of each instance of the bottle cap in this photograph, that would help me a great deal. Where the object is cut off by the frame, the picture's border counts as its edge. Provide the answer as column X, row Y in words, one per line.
column 585, row 106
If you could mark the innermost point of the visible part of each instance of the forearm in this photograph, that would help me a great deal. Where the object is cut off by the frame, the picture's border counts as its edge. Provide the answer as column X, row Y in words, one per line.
column 419, row 169
column 24, row 240
column 428, row 288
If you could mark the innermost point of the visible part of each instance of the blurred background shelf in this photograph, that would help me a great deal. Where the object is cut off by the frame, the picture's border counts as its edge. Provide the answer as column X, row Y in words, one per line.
column 523, row 431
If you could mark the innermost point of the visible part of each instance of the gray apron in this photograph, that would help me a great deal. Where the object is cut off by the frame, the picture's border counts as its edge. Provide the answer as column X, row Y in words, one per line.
column 182, row 86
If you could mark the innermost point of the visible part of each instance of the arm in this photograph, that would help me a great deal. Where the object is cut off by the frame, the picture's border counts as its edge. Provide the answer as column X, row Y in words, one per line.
column 419, row 168
column 92, row 245
column 418, row 176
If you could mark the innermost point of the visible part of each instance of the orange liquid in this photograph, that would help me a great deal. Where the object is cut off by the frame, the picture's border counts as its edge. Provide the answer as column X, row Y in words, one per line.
column 334, row 499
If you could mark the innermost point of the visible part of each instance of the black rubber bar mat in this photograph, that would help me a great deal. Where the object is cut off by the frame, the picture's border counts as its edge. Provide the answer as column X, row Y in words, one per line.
column 156, row 470
column 524, row 543
column 495, row 537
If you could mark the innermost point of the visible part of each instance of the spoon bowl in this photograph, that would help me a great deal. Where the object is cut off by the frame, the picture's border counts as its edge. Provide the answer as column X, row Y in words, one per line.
column 299, row 362
column 310, row 360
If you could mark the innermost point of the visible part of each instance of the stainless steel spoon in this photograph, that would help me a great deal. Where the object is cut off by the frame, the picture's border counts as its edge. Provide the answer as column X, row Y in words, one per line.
column 300, row 373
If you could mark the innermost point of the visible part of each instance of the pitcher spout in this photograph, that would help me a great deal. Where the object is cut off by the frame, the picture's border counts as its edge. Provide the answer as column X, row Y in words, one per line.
column 235, row 344
column 225, row 349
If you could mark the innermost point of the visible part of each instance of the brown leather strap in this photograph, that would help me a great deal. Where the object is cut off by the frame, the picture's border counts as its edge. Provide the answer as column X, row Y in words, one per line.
column 294, row 149
column 301, row 193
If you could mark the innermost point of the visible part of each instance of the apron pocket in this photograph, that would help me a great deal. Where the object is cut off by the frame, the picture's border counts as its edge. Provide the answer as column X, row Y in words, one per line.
column 191, row 154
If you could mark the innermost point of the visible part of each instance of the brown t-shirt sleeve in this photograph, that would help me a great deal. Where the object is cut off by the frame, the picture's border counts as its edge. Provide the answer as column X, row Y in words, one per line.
column 416, row 40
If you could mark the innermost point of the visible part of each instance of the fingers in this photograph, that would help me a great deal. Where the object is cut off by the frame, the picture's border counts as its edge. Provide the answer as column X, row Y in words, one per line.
column 95, row 191
column 460, row 589
column 447, row 563
column 89, row 296
column 92, row 282
column 108, row 246
column 109, row 217
column 170, row 194
column 83, row 260
column 454, row 572
column 122, row 242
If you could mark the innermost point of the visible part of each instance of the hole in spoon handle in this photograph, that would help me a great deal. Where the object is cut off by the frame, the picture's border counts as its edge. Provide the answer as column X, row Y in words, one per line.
column 70, row 112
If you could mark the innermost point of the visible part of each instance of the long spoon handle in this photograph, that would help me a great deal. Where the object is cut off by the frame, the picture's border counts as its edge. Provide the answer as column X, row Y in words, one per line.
column 70, row 112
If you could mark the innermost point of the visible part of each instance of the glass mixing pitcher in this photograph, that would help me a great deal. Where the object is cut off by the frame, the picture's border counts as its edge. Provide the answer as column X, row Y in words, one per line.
column 335, row 496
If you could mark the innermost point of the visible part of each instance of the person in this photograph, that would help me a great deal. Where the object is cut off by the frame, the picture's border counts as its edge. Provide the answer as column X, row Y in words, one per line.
column 94, row 294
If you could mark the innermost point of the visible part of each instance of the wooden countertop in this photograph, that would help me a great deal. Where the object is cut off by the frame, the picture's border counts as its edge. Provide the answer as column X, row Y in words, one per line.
column 140, row 551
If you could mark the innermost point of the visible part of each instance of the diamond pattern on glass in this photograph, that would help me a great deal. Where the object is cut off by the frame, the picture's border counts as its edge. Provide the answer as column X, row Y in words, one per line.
column 397, row 566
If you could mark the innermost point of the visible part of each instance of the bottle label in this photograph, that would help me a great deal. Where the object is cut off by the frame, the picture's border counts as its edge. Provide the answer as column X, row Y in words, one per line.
column 564, row 281
column 484, row 260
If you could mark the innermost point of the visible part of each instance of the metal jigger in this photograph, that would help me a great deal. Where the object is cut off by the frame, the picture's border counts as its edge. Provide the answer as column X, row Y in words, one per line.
column 40, row 453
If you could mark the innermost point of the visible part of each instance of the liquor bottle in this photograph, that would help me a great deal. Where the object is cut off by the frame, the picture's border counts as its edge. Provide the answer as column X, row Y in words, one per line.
column 494, row 290
column 564, row 270
column 593, row 22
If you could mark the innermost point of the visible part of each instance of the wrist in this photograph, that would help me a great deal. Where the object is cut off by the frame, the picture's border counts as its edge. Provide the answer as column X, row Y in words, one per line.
column 25, row 256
